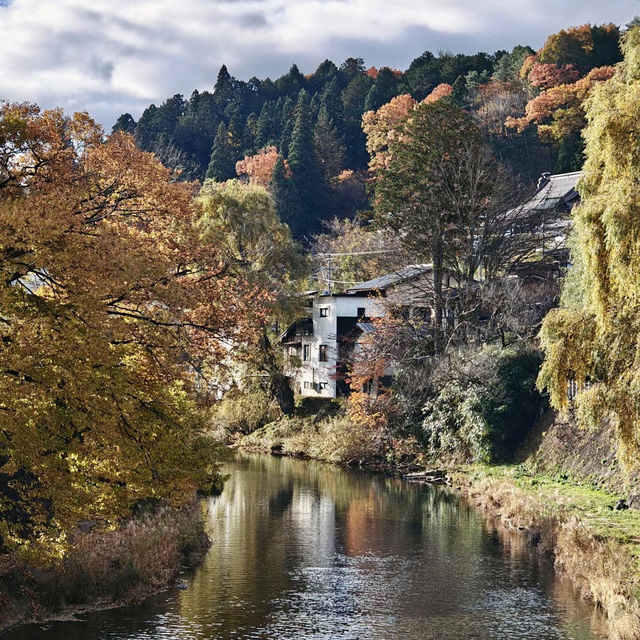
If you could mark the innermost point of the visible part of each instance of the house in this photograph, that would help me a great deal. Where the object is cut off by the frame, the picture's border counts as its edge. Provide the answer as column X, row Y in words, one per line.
column 319, row 345
column 547, row 216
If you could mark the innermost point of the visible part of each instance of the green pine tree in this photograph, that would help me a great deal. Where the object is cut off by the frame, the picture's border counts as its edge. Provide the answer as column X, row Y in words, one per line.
column 267, row 126
column 286, row 116
column 331, row 102
column 223, row 163
column 285, row 197
column 384, row 88
column 307, row 174
column 329, row 146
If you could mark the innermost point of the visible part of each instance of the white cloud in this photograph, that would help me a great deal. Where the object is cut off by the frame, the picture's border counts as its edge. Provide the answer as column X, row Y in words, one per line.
column 113, row 55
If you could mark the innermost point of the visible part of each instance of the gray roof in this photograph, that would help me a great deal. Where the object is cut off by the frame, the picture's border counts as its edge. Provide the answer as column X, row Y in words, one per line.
column 555, row 191
column 384, row 282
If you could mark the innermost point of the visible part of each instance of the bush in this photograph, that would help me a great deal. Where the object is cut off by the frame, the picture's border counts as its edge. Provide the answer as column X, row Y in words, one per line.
column 332, row 437
column 484, row 405
column 243, row 412
column 102, row 567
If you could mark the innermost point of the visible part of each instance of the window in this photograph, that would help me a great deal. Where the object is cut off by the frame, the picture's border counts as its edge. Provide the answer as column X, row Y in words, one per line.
column 305, row 352
column 308, row 385
column 362, row 312
column 323, row 353
column 324, row 312
column 322, row 386
column 422, row 314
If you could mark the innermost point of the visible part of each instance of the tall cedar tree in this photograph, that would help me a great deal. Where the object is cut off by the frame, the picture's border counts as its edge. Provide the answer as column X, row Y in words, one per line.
column 267, row 126
column 416, row 193
column 223, row 164
column 328, row 145
column 286, row 198
column 384, row 88
column 307, row 174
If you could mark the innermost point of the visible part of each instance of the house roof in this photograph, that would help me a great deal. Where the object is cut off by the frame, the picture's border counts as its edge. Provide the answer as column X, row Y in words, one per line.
column 384, row 282
column 554, row 191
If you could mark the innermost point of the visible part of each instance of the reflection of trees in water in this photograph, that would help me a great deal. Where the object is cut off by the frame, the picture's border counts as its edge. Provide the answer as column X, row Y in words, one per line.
column 307, row 546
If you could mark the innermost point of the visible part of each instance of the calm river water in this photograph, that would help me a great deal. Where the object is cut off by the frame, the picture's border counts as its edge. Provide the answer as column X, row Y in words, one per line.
column 303, row 550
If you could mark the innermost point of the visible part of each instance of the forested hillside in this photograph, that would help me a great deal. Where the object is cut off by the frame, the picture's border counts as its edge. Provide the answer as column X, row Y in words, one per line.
column 302, row 135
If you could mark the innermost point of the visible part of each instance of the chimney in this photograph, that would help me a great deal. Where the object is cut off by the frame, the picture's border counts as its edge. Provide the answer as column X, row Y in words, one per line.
column 543, row 180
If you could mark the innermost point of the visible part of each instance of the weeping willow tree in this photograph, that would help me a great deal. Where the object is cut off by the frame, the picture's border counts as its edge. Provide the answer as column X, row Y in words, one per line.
column 595, row 334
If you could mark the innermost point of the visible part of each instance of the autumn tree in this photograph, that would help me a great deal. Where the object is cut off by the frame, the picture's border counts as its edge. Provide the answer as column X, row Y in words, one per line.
column 113, row 312
column 593, row 337
column 559, row 115
column 258, row 168
column 564, row 71
column 258, row 247
column 380, row 127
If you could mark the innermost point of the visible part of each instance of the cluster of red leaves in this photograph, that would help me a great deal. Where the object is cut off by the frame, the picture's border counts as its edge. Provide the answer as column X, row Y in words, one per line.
column 258, row 168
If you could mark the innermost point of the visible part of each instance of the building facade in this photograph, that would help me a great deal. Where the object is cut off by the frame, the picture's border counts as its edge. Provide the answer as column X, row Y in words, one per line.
column 319, row 346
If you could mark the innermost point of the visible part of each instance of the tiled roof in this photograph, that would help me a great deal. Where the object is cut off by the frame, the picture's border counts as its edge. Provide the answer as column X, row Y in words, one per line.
column 384, row 282
column 556, row 190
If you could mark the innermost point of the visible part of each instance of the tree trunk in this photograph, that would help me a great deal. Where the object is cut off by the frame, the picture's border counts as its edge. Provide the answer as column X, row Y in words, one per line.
column 279, row 384
column 283, row 393
column 436, row 258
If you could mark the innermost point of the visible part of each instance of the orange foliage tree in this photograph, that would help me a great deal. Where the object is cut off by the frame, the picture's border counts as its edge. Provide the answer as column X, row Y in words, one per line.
column 380, row 126
column 559, row 111
column 258, row 168
column 112, row 313
column 441, row 91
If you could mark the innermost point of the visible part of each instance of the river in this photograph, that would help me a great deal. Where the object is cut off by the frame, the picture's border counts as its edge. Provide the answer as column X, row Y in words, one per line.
column 303, row 550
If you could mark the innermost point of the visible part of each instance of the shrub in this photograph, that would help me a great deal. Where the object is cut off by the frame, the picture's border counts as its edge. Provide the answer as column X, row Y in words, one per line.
column 484, row 404
column 243, row 412
column 103, row 566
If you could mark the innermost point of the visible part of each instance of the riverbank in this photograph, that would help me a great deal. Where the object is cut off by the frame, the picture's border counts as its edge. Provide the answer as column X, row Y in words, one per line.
column 596, row 545
column 571, row 517
column 104, row 569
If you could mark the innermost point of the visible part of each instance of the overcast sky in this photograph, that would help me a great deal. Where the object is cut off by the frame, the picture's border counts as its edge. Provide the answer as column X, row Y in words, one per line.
column 111, row 56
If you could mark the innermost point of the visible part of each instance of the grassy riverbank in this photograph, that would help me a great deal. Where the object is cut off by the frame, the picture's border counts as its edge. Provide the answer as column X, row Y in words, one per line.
column 595, row 545
column 104, row 569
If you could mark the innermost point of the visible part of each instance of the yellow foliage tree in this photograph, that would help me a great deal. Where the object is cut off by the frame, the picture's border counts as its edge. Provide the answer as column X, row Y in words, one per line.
column 111, row 309
column 595, row 335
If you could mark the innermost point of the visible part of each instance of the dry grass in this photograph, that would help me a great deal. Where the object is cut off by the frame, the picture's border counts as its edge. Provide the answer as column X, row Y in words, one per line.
column 591, row 544
column 105, row 568
column 332, row 439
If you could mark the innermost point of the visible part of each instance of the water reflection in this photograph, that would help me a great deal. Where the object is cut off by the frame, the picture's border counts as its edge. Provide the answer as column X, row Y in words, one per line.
column 304, row 550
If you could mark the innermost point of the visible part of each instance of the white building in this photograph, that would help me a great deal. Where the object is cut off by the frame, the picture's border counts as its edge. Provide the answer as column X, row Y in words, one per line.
column 320, row 345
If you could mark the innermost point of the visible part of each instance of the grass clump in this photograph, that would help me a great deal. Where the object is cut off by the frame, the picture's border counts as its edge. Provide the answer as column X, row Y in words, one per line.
column 104, row 567
column 320, row 430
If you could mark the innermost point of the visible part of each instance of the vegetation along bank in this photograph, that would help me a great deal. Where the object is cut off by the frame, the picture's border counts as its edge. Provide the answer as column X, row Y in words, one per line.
column 434, row 268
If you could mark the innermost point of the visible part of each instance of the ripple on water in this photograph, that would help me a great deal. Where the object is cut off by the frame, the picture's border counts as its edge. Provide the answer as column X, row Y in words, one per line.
column 307, row 551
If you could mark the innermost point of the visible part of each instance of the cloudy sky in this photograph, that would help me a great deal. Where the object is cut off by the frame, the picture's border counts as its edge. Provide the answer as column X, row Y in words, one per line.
column 111, row 56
